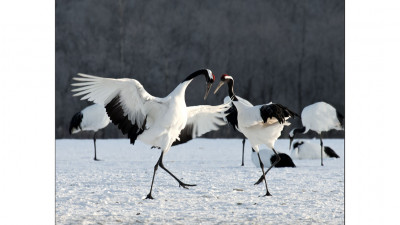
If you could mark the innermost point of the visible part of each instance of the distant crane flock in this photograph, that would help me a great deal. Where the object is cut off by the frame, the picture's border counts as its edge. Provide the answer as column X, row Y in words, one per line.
column 165, row 122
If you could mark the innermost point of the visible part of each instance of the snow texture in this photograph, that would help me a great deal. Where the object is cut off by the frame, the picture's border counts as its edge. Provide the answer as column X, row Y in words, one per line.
column 112, row 191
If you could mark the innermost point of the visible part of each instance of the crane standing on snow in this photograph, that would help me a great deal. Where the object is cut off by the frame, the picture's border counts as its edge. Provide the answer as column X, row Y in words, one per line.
column 309, row 150
column 232, row 117
column 319, row 117
column 261, row 124
column 91, row 118
column 158, row 122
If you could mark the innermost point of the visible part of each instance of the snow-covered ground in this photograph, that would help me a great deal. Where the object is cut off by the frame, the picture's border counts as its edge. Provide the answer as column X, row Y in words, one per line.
column 112, row 191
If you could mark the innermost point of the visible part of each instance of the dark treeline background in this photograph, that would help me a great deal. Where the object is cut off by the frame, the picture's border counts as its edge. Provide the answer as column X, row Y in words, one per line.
column 287, row 51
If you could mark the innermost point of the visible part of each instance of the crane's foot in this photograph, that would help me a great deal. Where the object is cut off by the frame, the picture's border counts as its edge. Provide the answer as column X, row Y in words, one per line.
column 259, row 180
column 181, row 184
column 267, row 194
column 149, row 196
column 95, row 159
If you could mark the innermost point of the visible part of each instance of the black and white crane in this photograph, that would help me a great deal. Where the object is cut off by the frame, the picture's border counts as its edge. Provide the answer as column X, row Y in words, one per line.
column 268, row 157
column 91, row 118
column 309, row 150
column 158, row 122
column 261, row 124
column 319, row 117
column 232, row 116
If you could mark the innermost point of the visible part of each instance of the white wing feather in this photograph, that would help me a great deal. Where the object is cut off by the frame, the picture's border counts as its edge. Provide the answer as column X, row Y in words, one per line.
column 136, row 102
column 205, row 118
column 249, row 116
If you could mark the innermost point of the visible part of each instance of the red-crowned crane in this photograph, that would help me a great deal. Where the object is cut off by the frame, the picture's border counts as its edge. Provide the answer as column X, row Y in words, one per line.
column 261, row 124
column 91, row 118
column 309, row 150
column 319, row 117
column 155, row 121
column 232, row 114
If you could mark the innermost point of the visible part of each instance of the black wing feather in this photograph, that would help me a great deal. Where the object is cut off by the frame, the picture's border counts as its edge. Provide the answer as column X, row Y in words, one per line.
column 231, row 117
column 75, row 122
column 185, row 135
column 116, row 114
column 278, row 111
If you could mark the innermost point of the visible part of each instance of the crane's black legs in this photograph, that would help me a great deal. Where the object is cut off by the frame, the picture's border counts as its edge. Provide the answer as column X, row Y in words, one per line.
column 160, row 163
column 180, row 182
column 278, row 158
column 94, row 141
column 265, row 180
column 244, row 141
column 154, row 173
column 322, row 148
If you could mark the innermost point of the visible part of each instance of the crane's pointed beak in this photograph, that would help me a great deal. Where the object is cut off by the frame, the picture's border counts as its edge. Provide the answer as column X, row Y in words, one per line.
column 207, row 90
column 290, row 143
column 219, row 86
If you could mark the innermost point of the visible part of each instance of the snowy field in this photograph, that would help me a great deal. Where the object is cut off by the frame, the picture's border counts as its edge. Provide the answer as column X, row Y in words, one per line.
column 112, row 191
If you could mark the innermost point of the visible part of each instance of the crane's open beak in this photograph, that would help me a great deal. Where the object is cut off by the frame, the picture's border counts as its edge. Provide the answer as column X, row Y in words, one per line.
column 219, row 86
column 207, row 90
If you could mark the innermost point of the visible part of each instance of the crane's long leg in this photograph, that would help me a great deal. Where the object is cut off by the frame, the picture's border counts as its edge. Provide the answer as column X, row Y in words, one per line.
column 265, row 180
column 322, row 147
column 160, row 163
column 179, row 181
column 154, row 173
column 278, row 158
column 244, row 141
column 94, row 141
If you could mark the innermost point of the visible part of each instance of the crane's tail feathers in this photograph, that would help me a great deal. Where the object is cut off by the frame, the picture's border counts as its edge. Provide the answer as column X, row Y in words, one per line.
column 75, row 124
column 274, row 112
column 340, row 117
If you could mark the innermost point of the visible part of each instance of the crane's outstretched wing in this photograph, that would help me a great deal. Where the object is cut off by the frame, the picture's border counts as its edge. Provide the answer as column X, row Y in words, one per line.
column 270, row 113
column 231, row 113
column 127, row 103
column 202, row 119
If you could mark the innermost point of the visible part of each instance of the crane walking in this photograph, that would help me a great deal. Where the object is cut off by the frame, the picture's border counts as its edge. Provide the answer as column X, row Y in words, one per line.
column 158, row 122
column 261, row 124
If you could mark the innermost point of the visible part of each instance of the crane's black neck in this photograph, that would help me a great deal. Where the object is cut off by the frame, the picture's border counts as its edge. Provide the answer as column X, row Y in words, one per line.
column 230, row 90
column 300, row 130
column 297, row 144
column 204, row 72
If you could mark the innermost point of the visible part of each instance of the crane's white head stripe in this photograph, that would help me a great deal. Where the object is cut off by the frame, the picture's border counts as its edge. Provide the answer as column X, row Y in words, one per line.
column 210, row 75
column 226, row 77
